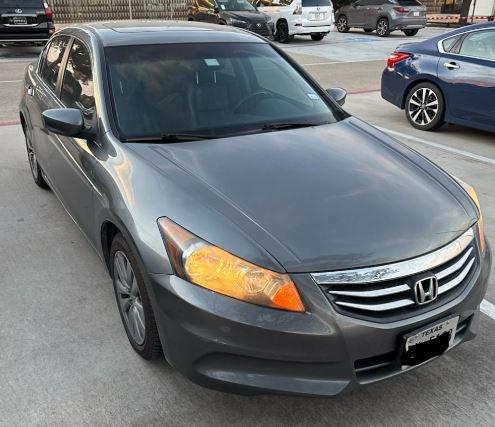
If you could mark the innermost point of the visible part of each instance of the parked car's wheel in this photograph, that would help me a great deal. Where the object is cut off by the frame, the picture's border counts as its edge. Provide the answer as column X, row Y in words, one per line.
column 342, row 24
column 425, row 106
column 33, row 161
column 382, row 27
column 317, row 36
column 411, row 33
column 282, row 33
column 368, row 30
column 133, row 301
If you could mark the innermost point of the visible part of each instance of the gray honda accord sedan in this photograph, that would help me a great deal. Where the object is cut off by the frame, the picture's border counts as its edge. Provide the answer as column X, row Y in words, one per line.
column 256, row 234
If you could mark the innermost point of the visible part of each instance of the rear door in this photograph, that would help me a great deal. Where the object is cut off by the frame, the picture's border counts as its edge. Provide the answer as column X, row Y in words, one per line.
column 467, row 74
column 22, row 16
column 316, row 13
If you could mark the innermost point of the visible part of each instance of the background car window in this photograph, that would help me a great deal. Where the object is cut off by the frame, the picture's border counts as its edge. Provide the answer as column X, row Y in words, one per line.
column 262, row 3
column 77, row 87
column 407, row 2
column 51, row 65
column 449, row 43
column 315, row 3
column 234, row 5
column 480, row 44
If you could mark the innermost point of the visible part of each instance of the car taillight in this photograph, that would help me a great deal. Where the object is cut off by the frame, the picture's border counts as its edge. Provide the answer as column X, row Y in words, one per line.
column 298, row 10
column 395, row 58
column 400, row 9
column 48, row 11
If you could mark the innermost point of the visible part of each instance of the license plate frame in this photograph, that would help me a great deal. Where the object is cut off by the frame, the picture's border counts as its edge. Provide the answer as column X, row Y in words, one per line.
column 417, row 13
column 18, row 20
column 428, row 342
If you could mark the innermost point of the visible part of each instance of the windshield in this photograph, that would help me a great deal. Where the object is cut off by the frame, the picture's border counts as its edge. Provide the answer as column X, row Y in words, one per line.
column 229, row 5
column 216, row 89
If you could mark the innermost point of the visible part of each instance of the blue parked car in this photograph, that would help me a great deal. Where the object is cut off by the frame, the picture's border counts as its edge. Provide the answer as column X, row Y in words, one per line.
column 449, row 78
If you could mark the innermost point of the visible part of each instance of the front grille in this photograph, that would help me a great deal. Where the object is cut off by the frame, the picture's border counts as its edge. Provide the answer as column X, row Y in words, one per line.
column 381, row 300
column 262, row 30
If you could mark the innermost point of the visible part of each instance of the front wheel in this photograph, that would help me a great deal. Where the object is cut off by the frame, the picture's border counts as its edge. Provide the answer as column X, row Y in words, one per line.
column 282, row 34
column 133, row 301
column 411, row 33
column 342, row 24
column 425, row 106
column 382, row 27
column 317, row 37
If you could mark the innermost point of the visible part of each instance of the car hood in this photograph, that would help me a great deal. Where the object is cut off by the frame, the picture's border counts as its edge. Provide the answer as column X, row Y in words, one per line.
column 329, row 197
column 245, row 15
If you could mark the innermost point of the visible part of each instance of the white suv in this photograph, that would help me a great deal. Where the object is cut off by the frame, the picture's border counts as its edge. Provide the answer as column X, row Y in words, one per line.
column 298, row 17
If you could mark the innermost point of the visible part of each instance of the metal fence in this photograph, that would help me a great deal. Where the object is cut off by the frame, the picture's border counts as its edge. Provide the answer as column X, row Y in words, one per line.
column 66, row 11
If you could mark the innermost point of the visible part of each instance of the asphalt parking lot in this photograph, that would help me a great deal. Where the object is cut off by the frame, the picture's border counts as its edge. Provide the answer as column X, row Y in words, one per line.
column 64, row 356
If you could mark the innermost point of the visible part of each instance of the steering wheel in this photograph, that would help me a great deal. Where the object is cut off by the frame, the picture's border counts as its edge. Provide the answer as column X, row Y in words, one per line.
column 252, row 97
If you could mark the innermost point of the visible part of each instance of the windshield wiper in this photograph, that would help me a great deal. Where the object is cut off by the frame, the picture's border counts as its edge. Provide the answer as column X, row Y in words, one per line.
column 170, row 137
column 288, row 125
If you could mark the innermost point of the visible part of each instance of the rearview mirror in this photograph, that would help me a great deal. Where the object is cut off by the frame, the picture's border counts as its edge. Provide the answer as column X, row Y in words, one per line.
column 65, row 121
column 338, row 95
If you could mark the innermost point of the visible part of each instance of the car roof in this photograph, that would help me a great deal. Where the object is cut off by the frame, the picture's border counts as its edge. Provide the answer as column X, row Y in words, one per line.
column 129, row 33
column 466, row 29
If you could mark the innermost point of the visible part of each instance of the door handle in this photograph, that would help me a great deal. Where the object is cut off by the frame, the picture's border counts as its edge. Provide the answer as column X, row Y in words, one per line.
column 451, row 65
column 30, row 91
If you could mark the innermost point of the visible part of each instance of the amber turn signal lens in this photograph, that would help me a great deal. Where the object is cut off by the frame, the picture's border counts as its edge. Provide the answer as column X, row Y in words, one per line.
column 213, row 268
column 474, row 197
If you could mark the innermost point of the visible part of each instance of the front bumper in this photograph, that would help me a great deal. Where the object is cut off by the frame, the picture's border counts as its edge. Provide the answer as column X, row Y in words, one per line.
column 229, row 345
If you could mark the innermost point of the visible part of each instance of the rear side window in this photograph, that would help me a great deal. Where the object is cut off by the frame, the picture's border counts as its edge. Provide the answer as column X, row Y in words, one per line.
column 449, row 43
column 51, row 64
column 407, row 2
column 77, row 88
column 479, row 44
column 315, row 3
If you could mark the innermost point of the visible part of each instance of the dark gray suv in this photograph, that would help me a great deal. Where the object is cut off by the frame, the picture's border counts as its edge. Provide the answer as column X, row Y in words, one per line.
column 383, row 16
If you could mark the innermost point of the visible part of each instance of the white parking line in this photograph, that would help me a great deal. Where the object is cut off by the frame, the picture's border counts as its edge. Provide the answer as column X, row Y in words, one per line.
column 488, row 308
column 473, row 156
column 10, row 81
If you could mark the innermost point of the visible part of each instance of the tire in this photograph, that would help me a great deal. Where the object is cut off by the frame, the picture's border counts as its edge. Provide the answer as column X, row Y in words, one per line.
column 282, row 33
column 368, row 30
column 383, row 27
column 317, row 37
column 411, row 33
column 342, row 24
column 36, row 170
column 133, row 300
column 418, row 113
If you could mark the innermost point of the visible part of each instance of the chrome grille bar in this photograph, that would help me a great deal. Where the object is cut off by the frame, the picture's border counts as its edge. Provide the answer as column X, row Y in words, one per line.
column 453, row 268
column 374, row 293
column 377, row 307
column 457, row 280
column 399, row 269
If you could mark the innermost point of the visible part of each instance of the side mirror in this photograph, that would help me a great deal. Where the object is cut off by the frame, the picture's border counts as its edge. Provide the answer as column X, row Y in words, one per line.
column 65, row 121
column 338, row 95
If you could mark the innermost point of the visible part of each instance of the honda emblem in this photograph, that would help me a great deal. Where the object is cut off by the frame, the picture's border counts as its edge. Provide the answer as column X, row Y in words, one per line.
column 426, row 290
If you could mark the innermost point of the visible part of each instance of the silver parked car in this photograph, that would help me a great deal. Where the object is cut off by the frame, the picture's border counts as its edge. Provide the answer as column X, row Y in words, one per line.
column 383, row 16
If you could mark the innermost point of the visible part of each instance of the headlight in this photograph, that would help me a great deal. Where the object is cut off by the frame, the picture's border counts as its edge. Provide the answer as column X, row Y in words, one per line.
column 213, row 268
column 232, row 21
column 474, row 197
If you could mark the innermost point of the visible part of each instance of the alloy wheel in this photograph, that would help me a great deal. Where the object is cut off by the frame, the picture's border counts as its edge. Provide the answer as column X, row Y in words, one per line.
column 129, row 297
column 342, row 24
column 382, row 28
column 423, row 106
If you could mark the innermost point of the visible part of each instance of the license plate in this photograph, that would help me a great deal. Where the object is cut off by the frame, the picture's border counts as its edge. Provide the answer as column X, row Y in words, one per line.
column 19, row 20
column 417, row 13
column 429, row 342
column 317, row 16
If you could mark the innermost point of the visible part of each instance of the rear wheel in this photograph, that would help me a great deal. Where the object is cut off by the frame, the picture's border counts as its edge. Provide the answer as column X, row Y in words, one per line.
column 382, row 27
column 342, row 24
column 133, row 301
column 282, row 34
column 425, row 106
column 317, row 37
column 411, row 33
